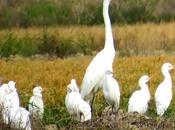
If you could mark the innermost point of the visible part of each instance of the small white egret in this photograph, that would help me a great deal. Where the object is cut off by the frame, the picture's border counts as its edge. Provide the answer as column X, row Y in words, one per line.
column 36, row 105
column 20, row 119
column 11, row 101
column 138, row 101
column 163, row 94
column 75, row 105
column 93, row 78
column 3, row 92
column 111, row 91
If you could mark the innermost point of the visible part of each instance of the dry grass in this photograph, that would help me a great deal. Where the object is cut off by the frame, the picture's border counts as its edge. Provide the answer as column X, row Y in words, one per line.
column 139, row 39
column 55, row 74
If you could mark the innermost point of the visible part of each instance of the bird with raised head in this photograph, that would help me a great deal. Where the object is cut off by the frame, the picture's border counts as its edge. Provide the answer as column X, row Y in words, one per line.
column 111, row 91
column 138, row 101
column 163, row 94
column 93, row 77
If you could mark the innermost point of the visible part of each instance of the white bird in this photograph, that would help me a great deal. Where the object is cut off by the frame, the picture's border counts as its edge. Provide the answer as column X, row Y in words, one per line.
column 11, row 101
column 111, row 91
column 12, row 113
column 93, row 78
column 75, row 105
column 20, row 119
column 163, row 94
column 36, row 105
column 3, row 93
column 138, row 101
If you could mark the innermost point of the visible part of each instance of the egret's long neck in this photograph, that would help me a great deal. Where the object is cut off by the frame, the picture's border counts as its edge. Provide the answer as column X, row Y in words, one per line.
column 109, row 43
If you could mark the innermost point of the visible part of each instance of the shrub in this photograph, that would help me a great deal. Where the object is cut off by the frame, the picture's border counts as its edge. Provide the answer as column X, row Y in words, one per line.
column 47, row 43
column 66, row 47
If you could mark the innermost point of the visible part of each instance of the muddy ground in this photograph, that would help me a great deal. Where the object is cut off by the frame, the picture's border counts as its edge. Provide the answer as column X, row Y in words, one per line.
column 118, row 121
column 125, row 121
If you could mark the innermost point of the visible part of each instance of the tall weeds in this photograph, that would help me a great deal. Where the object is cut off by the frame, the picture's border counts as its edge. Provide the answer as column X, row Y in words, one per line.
column 139, row 39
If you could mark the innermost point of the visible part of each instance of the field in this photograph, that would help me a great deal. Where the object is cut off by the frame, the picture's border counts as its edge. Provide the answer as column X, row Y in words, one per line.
column 51, row 57
column 61, row 41
column 54, row 74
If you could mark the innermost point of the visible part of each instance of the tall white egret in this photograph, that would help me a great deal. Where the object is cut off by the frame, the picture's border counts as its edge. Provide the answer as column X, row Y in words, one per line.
column 163, row 94
column 93, row 78
column 111, row 91
column 75, row 105
column 36, row 105
column 139, row 99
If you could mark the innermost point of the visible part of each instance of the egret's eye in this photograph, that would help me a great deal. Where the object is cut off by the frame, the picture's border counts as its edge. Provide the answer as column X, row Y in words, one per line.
column 69, row 90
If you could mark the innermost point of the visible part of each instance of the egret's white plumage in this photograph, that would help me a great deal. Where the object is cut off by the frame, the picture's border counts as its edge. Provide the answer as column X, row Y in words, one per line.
column 111, row 91
column 12, row 113
column 163, row 94
column 3, row 92
column 75, row 105
column 20, row 119
column 36, row 105
column 138, row 101
column 71, row 100
column 11, row 101
column 93, row 78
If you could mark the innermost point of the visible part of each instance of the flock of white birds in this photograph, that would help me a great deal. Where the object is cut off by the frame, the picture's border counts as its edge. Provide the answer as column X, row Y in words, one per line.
column 15, row 115
column 99, row 75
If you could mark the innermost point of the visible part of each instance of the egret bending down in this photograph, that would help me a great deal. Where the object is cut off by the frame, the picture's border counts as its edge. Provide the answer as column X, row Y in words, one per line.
column 75, row 104
column 36, row 105
column 20, row 119
column 163, row 94
column 139, row 99
column 93, row 78
column 111, row 91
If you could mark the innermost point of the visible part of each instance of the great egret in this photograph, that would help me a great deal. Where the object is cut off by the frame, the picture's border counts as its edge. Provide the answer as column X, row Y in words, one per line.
column 93, row 78
column 163, row 94
column 36, row 105
column 111, row 91
column 139, row 99
column 75, row 105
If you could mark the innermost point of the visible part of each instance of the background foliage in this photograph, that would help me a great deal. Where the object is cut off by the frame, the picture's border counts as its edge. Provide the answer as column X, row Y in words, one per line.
column 27, row 13
column 130, row 40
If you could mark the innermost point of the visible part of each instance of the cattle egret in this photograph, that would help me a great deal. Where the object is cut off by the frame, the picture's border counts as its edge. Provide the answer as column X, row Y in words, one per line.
column 20, row 119
column 11, row 102
column 36, row 105
column 163, row 94
column 138, row 101
column 75, row 105
column 111, row 91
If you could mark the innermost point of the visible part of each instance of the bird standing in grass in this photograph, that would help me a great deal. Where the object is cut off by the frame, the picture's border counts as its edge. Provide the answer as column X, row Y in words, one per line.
column 11, row 102
column 138, row 101
column 3, row 92
column 93, row 78
column 111, row 91
column 163, row 94
column 20, row 119
column 36, row 105
column 14, row 115
column 76, row 106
